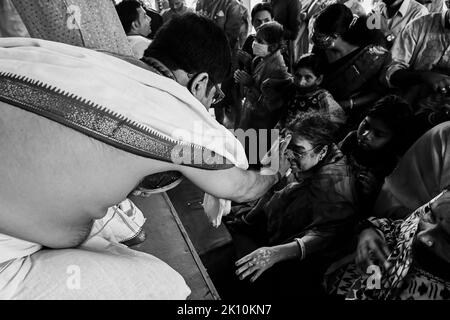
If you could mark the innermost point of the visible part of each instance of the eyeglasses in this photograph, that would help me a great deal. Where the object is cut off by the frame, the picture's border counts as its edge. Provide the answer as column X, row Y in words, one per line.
column 218, row 95
column 298, row 155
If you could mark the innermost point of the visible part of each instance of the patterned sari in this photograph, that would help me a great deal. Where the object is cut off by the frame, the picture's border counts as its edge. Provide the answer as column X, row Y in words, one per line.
column 415, row 273
column 406, row 279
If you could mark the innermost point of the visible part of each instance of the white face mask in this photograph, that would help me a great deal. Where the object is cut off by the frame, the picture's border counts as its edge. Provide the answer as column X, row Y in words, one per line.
column 260, row 50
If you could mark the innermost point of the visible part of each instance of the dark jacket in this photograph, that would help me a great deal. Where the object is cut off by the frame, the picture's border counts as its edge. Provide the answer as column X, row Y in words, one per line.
column 322, row 205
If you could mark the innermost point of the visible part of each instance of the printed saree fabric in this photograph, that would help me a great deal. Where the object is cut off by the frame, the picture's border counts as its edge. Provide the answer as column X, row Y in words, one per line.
column 405, row 279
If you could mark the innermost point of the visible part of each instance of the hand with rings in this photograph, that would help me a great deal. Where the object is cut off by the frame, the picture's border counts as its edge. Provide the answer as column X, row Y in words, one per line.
column 256, row 263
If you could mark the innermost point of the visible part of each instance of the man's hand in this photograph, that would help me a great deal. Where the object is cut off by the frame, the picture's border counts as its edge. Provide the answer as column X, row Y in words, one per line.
column 277, row 153
column 256, row 263
column 371, row 245
column 436, row 81
column 243, row 78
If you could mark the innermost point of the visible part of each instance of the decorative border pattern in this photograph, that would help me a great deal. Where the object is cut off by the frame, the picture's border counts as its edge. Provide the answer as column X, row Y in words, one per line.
column 100, row 123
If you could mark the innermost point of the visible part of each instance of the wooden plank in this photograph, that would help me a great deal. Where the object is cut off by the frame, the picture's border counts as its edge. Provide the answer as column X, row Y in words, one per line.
column 168, row 240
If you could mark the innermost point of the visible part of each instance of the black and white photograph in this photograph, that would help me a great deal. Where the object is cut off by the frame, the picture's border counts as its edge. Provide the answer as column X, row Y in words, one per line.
column 227, row 156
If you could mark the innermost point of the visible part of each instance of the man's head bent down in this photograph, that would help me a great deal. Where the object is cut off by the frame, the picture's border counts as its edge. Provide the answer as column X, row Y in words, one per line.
column 196, row 51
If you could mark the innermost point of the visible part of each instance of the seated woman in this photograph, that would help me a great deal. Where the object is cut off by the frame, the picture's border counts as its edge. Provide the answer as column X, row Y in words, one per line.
column 305, row 94
column 285, row 244
column 374, row 149
column 407, row 248
column 265, row 86
column 355, row 58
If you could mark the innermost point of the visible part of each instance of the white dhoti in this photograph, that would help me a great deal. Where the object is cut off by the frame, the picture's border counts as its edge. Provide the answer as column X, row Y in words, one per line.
column 100, row 268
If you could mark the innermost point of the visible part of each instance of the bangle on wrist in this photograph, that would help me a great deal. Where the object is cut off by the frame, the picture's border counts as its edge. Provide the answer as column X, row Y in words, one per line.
column 301, row 246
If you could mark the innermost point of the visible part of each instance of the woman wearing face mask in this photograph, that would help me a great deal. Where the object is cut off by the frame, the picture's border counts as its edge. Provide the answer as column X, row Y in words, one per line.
column 284, row 246
column 374, row 149
column 355, row 57
column 266, row 84
column 305, row 94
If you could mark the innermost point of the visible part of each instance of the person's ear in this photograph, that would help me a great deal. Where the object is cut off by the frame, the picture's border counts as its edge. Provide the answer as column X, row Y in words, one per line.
column 323, row 153
column 319, row 80
column 198, row 85
column 135, row 25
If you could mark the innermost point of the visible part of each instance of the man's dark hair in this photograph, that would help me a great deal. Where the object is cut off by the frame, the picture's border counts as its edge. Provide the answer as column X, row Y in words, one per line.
column 312, row 62
column 194, row 44
column 128, row 12
column 314, row 126
column 263, row 6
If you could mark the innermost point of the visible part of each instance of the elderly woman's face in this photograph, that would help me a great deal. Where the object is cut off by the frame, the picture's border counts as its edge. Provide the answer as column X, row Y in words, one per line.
column 302, row 155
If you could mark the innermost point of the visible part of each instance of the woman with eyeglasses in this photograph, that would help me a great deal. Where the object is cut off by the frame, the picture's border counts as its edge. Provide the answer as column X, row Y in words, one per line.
column 355, row 54
column 284, row 245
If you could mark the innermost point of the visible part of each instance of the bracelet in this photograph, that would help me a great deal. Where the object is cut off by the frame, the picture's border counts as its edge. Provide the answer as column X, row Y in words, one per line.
column 301, row 246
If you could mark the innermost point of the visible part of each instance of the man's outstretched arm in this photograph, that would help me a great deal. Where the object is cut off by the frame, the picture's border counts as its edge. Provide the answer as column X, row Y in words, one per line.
column 233, row 184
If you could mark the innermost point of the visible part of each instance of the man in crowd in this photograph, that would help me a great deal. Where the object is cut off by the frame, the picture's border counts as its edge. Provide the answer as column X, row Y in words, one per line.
column 394, row 15
column 175, row 7
column 136, row 24
column 261, row 13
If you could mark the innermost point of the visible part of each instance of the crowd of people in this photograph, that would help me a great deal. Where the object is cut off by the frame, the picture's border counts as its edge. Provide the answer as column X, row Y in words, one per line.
column 357, row 206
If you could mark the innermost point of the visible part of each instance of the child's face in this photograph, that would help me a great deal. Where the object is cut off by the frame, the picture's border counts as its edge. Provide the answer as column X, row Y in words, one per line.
column 306, row 79
column 373, row 134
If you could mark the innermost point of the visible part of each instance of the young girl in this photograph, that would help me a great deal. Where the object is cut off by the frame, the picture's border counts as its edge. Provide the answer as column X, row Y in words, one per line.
column 306, row 95
column 266, row 85
column 375, row 148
